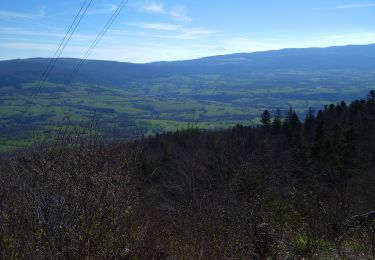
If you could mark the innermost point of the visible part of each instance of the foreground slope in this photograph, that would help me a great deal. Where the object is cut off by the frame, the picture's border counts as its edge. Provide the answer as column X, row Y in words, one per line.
column 287, row 190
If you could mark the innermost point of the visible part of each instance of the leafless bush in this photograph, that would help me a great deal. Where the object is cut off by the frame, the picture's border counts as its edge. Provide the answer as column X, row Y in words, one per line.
column 77, row 198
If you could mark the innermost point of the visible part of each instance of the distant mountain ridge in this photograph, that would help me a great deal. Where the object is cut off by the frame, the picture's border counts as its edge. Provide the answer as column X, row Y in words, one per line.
column 353, row 57
column 211, row 92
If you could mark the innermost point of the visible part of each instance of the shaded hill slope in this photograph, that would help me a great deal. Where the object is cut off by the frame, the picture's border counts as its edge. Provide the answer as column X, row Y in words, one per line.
column 287, row 190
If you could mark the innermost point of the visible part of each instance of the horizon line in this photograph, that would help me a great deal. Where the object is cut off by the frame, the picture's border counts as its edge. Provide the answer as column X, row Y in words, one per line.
column 192, row 59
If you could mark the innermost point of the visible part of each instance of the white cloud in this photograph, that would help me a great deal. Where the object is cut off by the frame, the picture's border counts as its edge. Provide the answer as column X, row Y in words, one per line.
column 125, row 49
column 240, row 44
column 15, row 15
column 125, row 52
column 152, row 8
column 39, row 46
column 118, row 32
column 177, row 12
column 105, row 9
column 355, row 6
column 344, row 39
column 180, row 13
column 194, row 33
column 10, row 14
column 157, row 26
column 24, row 32
column 178, row 31
column 148, row 53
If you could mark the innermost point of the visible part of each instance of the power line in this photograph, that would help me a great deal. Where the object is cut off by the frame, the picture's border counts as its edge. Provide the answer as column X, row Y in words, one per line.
column 110, row 21
column 105, row 28
column 65, row 42
column 75, row 71
column 62, row 42
column 70, row 36
column 57, row 54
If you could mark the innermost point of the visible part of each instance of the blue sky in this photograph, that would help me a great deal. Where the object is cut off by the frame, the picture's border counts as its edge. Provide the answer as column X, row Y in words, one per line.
column 152, row 30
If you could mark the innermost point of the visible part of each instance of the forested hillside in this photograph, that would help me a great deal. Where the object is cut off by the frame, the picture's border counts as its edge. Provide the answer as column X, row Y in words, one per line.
column 291, row 188
column 213, row 92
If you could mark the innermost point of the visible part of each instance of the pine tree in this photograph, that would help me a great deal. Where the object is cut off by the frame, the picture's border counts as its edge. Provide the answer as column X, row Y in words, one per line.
column 276, row 124
column 266, row 119
column 292, row 127
column 309, row 124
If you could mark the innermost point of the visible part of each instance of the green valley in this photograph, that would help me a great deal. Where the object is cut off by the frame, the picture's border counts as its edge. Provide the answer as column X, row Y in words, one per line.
column 209, row 93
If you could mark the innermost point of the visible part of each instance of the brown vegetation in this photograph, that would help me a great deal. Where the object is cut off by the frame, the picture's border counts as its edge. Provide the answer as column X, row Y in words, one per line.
column 283, row 190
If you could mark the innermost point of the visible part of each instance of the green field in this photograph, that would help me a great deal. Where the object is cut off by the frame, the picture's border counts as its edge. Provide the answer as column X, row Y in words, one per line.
column 166, row 104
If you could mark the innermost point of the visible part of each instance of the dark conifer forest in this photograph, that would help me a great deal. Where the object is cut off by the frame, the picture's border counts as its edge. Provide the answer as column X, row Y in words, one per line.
column 290, row 188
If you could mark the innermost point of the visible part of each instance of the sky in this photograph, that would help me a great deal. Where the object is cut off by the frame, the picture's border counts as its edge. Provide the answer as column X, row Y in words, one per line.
column 155, row 30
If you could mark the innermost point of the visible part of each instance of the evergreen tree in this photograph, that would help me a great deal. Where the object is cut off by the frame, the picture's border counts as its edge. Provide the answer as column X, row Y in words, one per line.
column 276, row 124
column 309, row 124
column 266, row 119
column 292, row 126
